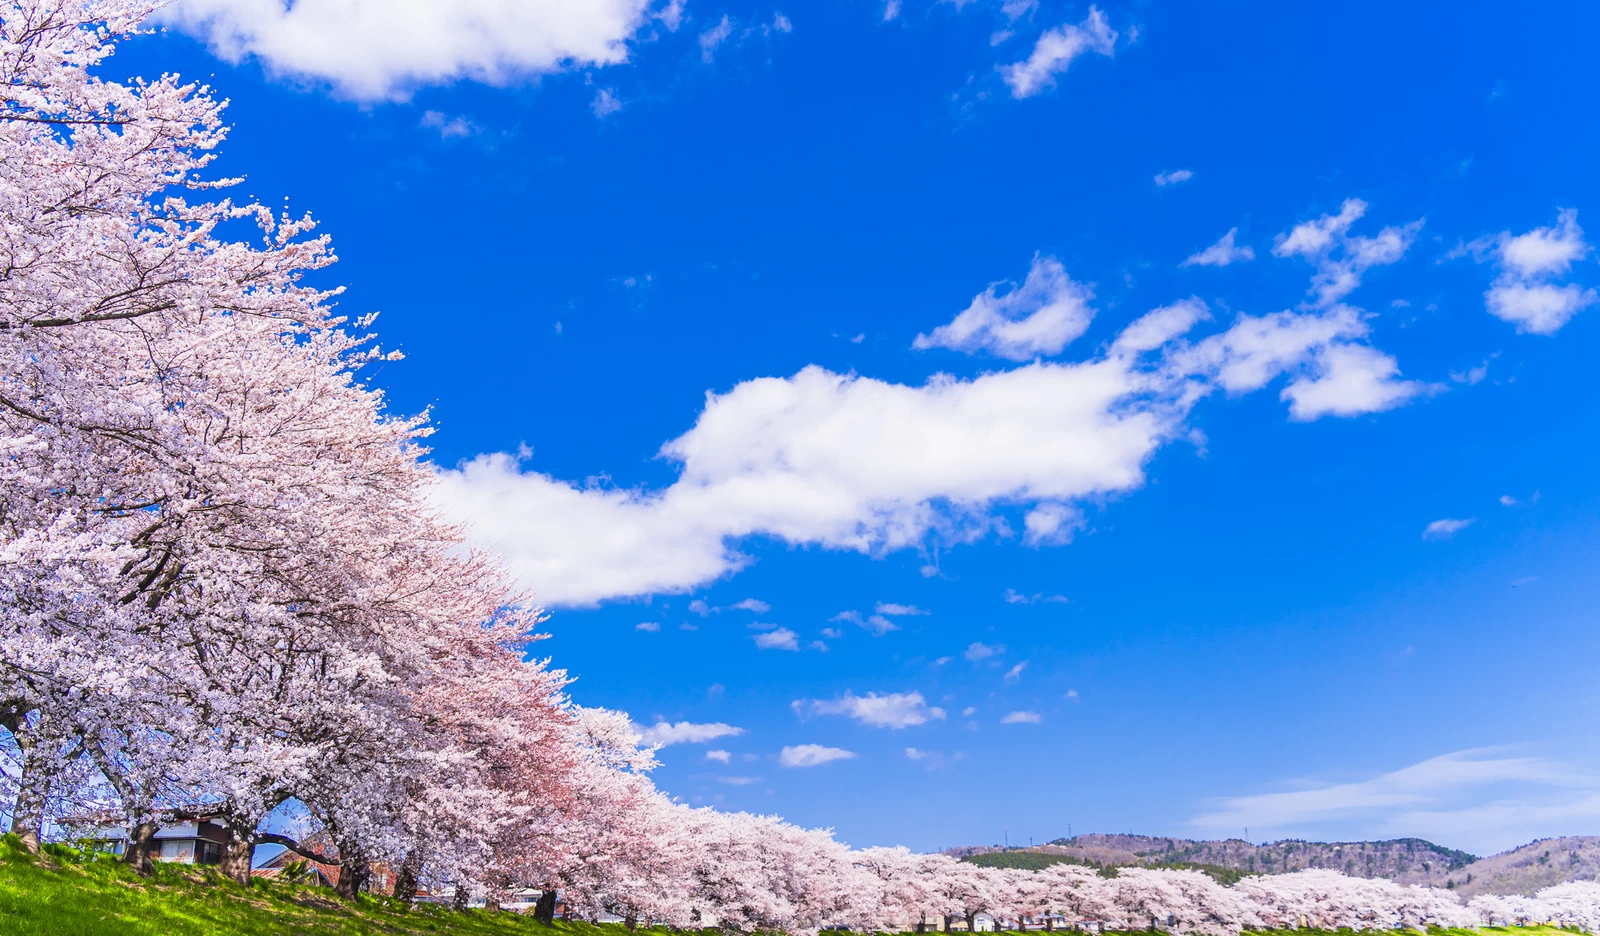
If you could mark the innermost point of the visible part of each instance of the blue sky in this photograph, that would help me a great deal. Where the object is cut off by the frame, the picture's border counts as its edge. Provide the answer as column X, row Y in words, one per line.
column 1319, row 563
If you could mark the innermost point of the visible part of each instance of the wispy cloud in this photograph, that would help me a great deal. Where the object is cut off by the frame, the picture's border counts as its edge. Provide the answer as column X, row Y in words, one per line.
column 812, row 755
column 605, row 102
column 1055, row 51
column 1476, row 798
column 899, row 610
column 666, row 733
column 978, row 650
column 1012, row 596
column 890, row 710
column 1446, row 528
column 1022, row 718
column 447, row 126
column 780, row 639
column 1165, row 179
column 1223, row 253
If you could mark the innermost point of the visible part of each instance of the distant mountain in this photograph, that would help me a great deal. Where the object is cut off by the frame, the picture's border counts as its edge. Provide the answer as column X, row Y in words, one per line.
column 1408, row 861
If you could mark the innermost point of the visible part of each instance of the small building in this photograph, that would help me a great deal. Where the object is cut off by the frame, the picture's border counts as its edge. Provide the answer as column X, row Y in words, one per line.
column 190, row 837
column 199, row 841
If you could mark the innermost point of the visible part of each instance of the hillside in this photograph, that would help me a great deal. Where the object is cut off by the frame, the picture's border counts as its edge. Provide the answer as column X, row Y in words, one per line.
column 63, row 894
column 1408, row 861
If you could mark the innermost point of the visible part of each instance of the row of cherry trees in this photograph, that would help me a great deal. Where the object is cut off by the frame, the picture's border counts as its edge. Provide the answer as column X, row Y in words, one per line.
column 222, row 582
column 220, row 577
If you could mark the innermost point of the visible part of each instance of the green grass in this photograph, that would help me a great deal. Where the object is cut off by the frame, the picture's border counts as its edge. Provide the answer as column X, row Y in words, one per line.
column 67, row 893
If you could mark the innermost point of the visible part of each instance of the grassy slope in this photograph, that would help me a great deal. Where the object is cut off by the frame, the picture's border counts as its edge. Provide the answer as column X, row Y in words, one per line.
column 65, row 894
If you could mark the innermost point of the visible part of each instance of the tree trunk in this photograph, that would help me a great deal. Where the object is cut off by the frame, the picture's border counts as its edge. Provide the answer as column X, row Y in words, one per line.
column 238, row 856
column 544, row 911
column 458, row 900
column 27, row 818
column 972, row 922
column 405, row 880
column 353, row 875
column 946, row 922
column 141, row 843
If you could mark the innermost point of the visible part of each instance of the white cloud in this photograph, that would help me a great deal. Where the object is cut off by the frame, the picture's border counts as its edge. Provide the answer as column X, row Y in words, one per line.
column 1022, row 718
column 1014, row 674
column 721, row 757
column 752, row 604
column 648, row 626
column 890, row 710
column 1349, row 380
column 1525, row 293
column 448, row 127
column 738, row 781
column 382, row 49
column 713, row 37
column 1547, row 251
column 968, row 711
column 849, row 462
column 877, row 623
column 981, row 651
column 1341, row 257
column 1055, row 50
column 899, row 610
column 1506, row 500
column 842, row 461
column 1072, row 695
column 1331, row 373
column 1051, row 524
column 1173, row 178
column 1446, row 528
column 1160, row 326
column 699, row 607
column 781, row 639
column 605, row 102
column 1473, row 797
column 666, row 733
column 1012, row 596
column 1037, row 318
column 1540, row 308
column 812, row 755
column 1222, row 253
